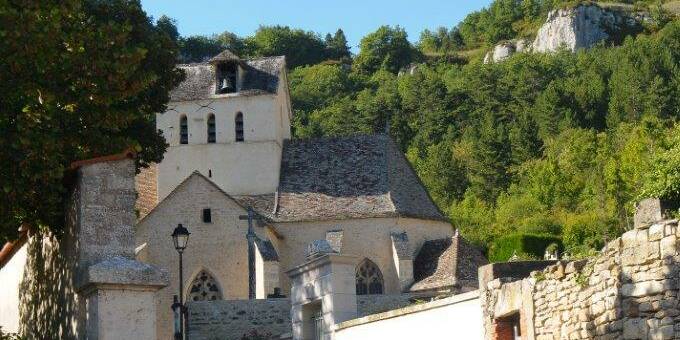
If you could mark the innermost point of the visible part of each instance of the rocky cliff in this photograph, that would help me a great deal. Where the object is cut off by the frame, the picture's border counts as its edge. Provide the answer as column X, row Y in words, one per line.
column 582, row 26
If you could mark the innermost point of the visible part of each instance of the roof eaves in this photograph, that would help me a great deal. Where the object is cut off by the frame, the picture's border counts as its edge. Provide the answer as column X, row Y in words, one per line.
column 129, row 153
column 11, row 248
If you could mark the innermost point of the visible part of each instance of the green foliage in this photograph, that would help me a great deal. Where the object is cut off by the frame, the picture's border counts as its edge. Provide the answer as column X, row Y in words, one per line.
column 474, row 218
column 336, row 46
column 387, row 48
column 87, row 78
column 300, row 47
column 581, row 279
column 664, row 179
column 199, row 48
column 540, row 276
column 442, row 40
column 534, row 246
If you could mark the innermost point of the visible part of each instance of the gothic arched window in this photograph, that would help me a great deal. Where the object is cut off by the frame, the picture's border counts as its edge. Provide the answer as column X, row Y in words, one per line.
column 369, row 278
column 204, row 288
column 211, row 128
column 239, row 126
column 183, row 130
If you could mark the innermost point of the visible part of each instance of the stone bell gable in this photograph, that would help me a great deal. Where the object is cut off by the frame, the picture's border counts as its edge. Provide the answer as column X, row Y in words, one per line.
column 228, row 120
column 253, row 76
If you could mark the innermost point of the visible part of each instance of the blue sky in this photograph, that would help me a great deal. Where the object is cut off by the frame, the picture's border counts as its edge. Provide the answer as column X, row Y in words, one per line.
column 356, row 18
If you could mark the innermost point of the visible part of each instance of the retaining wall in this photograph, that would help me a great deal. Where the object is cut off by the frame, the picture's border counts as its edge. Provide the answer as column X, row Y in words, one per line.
column 629, row 291
column 232, row 319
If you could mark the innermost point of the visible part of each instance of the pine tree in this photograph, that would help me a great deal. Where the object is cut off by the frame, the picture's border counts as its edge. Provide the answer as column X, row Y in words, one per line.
column 336, row 46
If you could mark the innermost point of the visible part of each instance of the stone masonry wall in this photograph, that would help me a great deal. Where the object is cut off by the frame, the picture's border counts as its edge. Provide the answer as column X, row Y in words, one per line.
column 629, row 291
column 146, row 184
column 232, row 319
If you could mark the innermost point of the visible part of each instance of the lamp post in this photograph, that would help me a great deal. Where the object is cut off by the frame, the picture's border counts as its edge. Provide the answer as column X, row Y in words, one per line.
column 180, row 237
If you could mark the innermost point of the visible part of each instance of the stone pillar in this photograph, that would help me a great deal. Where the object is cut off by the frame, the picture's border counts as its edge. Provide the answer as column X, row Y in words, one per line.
column 118, row 290
column 323, row 291
column 403, row 259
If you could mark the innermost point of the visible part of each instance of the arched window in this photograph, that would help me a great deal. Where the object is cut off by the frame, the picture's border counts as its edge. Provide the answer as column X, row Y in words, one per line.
column 239, row 126
column 204, row 288
column 183, row 130
column 369, row 278
column 211, row 128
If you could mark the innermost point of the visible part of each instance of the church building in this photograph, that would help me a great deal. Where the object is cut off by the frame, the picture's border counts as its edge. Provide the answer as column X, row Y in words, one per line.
column 228, row 126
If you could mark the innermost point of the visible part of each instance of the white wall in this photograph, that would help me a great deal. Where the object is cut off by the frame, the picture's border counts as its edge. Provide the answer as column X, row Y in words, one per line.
column 10, row 278
column 249, row 167
column 457, row 317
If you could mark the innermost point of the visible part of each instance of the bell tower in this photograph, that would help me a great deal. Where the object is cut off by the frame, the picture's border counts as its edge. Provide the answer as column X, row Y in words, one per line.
column 227, row 120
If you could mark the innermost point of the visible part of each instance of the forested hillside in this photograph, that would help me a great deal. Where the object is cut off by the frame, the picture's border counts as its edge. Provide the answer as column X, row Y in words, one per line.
column 560, row 144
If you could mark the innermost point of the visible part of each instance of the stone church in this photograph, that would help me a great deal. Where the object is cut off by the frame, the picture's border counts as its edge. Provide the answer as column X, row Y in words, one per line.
column 230, row 150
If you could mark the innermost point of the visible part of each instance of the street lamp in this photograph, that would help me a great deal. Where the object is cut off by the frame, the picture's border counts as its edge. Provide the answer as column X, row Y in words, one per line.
column 180, row 237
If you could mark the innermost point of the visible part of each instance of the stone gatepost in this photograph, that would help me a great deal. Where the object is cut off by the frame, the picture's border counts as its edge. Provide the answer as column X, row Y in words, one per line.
column 323, row 292
column 118, row 290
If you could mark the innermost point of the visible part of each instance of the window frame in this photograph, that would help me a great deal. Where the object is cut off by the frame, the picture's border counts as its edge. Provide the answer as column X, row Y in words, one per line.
column 369, row 279
column 239, row 127
column 206, row 215
column 212, row 129
column 183, row 129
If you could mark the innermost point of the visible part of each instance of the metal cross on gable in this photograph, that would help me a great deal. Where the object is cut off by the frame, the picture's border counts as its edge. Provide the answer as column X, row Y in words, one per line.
column 250, row 236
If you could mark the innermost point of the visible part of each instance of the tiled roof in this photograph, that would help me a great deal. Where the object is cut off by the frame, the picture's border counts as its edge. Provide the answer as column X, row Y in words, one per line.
column 261, row 76
column 361, row 176
column 447, row 263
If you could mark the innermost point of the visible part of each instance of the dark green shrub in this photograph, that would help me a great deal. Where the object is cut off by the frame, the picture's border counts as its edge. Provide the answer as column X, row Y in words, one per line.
column 525, row 246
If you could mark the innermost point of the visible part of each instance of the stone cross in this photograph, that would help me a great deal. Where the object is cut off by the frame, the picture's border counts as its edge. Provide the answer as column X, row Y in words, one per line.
column 250, row 236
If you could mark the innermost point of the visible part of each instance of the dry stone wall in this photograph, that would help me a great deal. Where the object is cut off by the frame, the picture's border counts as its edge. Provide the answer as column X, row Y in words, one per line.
column 232, row 319
column 629, row 291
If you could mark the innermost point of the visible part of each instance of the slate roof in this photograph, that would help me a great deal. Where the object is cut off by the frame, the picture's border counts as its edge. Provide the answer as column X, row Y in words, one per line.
column 225, row 55
column 262, row 76
column 267, row 250
column 362, row 176
column 447, row 263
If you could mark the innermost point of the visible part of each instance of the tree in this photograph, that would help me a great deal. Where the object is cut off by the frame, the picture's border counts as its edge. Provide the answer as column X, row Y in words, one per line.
column 169, row 26
column 387, row 48
column 314, row 88
column 300, row 47
column 232, row 42
column 87, row 78
column 440, row 41
column 198, row 48
column 488, row 176
column 664, row 179
column 336, row 46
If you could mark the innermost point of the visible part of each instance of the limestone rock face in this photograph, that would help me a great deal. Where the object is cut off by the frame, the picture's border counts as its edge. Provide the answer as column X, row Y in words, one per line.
column 504, row 50
column 574, row 28
column 580, row 27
